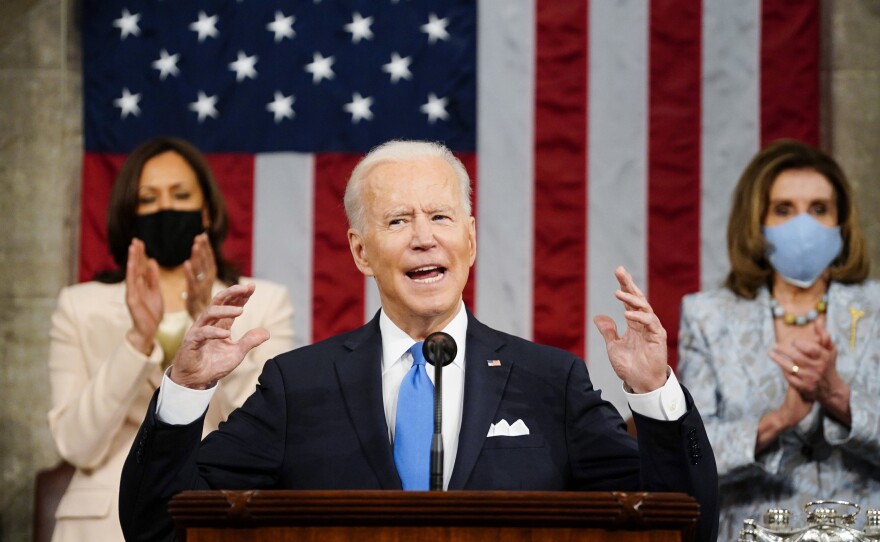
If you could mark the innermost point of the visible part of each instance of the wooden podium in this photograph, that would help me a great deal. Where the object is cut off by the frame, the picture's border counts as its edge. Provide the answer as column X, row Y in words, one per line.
column 454, row 516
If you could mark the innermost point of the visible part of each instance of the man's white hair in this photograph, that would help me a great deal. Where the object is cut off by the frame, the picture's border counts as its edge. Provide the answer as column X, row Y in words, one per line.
column 399, row 151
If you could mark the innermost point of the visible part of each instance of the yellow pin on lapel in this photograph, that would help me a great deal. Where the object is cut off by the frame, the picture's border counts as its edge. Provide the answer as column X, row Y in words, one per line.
column 856, row 315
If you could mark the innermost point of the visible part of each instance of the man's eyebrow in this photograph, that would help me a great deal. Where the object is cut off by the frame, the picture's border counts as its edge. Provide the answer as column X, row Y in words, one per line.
column 441, row 209
column 397, row 212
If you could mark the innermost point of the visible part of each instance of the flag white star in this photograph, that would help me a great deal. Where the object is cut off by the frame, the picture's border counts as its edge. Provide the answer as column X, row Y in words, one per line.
column 359, row 107
column 166, row 64
column 282, row 26
column 128, row 24
column 398, row 67
column 244, row 67
column 204, row 106
column 205, row 26
column 359, row 28
column 435, row 28
column 435, row 108
column 320, row 68
column 282, row 106
column 128, row 103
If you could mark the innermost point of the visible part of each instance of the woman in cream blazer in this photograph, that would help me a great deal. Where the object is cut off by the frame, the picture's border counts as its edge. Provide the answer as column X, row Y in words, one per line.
column 112, row 338
column 101, row 387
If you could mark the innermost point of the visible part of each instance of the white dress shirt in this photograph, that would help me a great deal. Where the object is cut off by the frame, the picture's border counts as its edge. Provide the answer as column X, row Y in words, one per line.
column 396, row 362
column 178, row 405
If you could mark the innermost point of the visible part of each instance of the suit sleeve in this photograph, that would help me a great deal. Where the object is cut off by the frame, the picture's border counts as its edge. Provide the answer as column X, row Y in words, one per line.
column 167, row 459
column 669, row 455
column 89, row 408
column 677, row 456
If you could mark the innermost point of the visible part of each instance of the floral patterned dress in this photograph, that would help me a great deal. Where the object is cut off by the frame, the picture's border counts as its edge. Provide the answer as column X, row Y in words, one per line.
column 724, row 346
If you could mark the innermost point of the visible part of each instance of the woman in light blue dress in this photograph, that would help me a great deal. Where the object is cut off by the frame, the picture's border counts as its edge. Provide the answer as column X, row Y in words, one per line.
column 783, row 360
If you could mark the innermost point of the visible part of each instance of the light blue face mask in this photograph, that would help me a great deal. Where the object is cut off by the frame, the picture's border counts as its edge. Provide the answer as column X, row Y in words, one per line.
column 801, row 249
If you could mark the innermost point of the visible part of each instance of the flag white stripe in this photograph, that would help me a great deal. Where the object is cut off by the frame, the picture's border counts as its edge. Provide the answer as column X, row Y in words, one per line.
column 617, row 172
column 283, row 236
column 372, row 303
column 505, row 164
column 731, row 120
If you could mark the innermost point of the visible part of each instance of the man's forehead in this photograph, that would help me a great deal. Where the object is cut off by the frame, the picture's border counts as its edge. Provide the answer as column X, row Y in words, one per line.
column 420, row 176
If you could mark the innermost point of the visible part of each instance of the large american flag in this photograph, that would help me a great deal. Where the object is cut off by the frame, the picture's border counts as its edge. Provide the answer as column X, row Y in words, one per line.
column 598, row 133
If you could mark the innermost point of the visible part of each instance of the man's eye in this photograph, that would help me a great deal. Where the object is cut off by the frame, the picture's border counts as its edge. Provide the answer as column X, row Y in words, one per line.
column 440, row 217
column 395, row 222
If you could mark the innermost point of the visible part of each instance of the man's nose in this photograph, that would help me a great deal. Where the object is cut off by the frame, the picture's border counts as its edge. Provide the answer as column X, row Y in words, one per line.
column 423, row 233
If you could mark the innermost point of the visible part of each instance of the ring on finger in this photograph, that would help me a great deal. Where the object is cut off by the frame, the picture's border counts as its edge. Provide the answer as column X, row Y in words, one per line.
column 795, row 369
column 200, row 277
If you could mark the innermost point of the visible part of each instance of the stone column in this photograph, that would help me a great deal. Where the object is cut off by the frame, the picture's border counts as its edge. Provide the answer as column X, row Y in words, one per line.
column 40, row 150
column 851, row 104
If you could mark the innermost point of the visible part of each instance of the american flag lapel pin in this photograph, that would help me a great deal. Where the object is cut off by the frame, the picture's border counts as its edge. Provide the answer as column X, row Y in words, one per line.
column 493, row 362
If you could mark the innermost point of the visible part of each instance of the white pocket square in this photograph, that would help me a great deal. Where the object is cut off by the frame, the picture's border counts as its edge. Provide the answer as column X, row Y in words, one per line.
column 504, row 429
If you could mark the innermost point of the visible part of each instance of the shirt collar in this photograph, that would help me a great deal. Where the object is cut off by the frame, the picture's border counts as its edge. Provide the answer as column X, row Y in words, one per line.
column 395, row 341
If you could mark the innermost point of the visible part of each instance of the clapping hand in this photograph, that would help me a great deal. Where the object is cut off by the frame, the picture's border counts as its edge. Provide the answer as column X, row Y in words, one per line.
column 208, row 352
column 200, row 271
column 143, row 297
column 639, row 356
column 810, row 367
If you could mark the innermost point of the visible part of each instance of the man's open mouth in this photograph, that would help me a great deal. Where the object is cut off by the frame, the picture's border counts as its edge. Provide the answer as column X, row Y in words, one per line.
column 427, row 274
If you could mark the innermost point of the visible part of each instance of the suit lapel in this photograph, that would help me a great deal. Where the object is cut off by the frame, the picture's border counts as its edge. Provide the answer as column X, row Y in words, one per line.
column 483, row 388
column 360, row 378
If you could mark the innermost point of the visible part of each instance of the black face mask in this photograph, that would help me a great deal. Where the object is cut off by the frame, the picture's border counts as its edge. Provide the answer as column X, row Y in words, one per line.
column 169, row 235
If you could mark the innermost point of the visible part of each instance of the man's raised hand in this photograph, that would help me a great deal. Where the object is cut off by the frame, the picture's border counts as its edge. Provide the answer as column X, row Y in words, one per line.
column 208, row 352
column 638, row 356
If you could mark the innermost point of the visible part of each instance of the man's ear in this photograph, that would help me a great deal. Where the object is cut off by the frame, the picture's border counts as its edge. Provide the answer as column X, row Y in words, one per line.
column 359, row 252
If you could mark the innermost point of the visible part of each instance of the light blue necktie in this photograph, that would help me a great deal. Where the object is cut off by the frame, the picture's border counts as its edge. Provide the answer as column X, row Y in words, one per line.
column 413, row 429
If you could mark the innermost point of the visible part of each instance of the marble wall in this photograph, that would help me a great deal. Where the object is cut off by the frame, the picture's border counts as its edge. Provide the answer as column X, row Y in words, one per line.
column 40, row 146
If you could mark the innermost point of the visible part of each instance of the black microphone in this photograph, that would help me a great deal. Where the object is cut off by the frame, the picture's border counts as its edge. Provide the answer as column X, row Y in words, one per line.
column 439, row 349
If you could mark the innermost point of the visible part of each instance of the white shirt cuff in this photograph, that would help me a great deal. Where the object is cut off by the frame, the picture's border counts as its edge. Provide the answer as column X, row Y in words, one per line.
column 666, row 403
column 179, row 405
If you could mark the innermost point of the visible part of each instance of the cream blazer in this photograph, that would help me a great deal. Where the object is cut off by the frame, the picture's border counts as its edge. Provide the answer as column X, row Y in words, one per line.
column 101, row 387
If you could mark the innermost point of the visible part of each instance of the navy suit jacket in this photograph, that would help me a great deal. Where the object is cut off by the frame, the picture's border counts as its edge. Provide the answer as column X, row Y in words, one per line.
column 317, row 421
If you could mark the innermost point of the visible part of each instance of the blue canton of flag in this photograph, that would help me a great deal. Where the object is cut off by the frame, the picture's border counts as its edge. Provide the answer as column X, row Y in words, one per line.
column 256, row 76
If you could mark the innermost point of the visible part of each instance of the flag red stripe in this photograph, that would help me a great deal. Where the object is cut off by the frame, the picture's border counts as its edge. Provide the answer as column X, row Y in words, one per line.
column 560, row 175
column 234, row 173
column 675, row 34
column 98, row 173
column 338, row 295
column 790, row 35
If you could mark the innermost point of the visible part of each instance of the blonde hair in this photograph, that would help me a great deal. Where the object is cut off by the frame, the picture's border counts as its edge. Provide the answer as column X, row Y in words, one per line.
column 749, row 267
column 399, row 151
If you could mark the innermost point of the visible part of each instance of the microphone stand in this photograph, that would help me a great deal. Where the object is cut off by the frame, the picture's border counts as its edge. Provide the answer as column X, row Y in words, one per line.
column 436, row 480
column 439, row 349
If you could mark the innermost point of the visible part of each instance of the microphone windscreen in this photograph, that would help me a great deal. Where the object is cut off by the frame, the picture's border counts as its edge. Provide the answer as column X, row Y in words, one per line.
column 439, row 348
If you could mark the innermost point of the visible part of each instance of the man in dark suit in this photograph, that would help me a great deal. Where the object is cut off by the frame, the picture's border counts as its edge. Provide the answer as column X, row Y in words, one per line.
column 332, row 415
